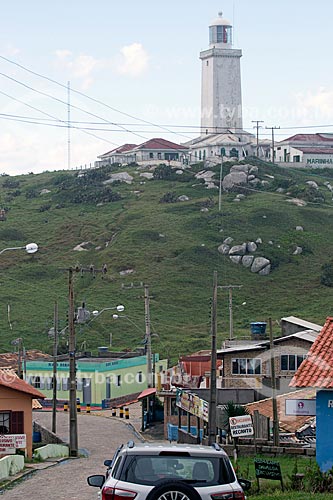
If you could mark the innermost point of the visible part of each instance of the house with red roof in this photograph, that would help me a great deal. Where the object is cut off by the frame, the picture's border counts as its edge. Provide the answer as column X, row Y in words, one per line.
column 316, row 371
column 16, row 402
column 312, row 150
column 151, row 151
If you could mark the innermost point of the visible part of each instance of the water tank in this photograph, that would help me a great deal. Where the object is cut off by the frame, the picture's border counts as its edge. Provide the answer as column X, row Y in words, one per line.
column 258, row 328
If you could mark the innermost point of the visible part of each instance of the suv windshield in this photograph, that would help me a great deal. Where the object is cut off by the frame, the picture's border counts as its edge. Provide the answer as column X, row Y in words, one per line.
column 197, row 471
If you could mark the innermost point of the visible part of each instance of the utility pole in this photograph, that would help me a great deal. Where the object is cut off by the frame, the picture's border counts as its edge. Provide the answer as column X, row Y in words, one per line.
column 220, row 186
column 276, row 437
column 257, row 126
column 212, row 386
column 55, row 356
column 231, row 321
column 73, row 430
column 148, row 339
column 273, row 144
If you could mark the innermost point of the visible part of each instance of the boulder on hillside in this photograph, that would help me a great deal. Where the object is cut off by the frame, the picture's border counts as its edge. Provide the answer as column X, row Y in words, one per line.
column 259, row 263
column 119, row 176
column 236, row 259
column 298, row 251
column 265, row 271
column 183, row 197
column 251, row 246
column 234, row 179
column 238, row 249
column 247, row 260
column 312, row 184
column 228, row 240
column 224, row 249
column 147, row 175
column 299, row 228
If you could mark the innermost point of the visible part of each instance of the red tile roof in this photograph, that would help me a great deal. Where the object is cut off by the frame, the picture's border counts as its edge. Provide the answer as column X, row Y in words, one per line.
column 159, row 143
column 119, row 149
column 8, row 378
column 317, row 369
column 310, row 138
column 287, row 423
column 318, row 151
column 10, row 359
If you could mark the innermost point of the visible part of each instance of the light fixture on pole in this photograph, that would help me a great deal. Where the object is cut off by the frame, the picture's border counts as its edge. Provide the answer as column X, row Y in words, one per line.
column 119, row 308
column 30, row 248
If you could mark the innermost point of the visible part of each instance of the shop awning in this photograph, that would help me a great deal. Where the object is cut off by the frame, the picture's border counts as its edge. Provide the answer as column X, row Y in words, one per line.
column 147, row 392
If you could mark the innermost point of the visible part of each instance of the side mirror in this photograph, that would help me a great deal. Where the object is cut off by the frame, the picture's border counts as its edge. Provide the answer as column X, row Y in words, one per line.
column 97, row 480
column 107, row 463
column 245, row 484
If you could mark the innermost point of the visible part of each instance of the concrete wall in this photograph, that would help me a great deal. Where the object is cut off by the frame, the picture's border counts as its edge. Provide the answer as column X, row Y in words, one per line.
column 11, row 465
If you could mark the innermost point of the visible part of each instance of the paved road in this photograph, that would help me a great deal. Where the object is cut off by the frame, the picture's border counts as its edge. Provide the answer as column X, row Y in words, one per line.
column 67, row 480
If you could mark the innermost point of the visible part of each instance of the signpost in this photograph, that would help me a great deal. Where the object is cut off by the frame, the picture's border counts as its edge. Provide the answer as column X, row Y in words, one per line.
column 267, row 469
column 305, row 407
column 241, row 426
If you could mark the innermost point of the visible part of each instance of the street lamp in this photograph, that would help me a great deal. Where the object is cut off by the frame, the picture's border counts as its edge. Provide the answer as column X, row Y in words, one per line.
column 119, row 308
column 30, row 248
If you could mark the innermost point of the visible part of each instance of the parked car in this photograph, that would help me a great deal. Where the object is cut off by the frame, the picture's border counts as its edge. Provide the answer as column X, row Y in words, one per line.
column 169, row 472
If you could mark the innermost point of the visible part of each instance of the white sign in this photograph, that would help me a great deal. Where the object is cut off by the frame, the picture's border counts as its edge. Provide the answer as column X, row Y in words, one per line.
column 10, row 442
column 304, row 407
column 241, row 426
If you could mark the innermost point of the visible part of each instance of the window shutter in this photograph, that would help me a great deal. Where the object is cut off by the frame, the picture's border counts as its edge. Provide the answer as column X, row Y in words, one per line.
column 79, row 384
column 42, row 383
column 17, row 422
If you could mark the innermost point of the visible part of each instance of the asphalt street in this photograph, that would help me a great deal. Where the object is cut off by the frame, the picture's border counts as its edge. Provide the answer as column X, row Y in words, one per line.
column 98, row 435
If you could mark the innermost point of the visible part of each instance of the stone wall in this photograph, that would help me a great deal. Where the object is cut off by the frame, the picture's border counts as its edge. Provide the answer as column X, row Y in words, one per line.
column 47, row 437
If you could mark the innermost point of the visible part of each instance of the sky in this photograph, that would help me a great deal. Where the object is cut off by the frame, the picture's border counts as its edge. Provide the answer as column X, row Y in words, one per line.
column 131, row 71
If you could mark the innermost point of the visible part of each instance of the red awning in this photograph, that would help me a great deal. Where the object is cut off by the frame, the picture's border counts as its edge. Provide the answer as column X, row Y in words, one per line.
column 147, row 392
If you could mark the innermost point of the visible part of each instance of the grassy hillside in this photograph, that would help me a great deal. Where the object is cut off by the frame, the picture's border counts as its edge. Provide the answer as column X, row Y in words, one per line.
column 170, row 246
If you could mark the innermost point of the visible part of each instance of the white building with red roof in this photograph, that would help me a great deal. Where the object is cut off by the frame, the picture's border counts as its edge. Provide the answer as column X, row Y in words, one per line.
column 156, row 150
column 310, row 150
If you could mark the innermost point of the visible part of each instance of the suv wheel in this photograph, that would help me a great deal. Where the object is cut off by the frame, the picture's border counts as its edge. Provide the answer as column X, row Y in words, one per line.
column 171, row 489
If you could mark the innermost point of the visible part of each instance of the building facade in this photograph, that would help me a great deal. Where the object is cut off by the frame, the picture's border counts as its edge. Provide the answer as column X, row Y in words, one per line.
column 97, row 379
column 306, row 150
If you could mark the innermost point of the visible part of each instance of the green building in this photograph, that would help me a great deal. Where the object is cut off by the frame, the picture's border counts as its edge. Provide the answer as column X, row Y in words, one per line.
column 97, row 379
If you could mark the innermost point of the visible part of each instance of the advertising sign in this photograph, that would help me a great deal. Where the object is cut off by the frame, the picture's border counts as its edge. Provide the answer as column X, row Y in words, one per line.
column 10, row 442
column 192, row 404
column 304, row 407
column 241, row 426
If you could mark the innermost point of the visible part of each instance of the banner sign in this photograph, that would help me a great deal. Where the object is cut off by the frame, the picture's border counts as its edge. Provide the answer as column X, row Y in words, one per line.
column 305, row 407
column 9, row 443
column 192, row 404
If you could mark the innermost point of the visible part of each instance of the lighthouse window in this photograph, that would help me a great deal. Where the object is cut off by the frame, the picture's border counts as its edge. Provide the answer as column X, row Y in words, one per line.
column 219, row 33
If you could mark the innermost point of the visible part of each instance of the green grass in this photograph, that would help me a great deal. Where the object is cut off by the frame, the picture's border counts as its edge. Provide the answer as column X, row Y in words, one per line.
column 170, row 246
column 272, row 489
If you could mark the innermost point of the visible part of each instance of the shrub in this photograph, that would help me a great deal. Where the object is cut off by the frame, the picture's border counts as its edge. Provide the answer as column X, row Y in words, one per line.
column 326, row 277
column 10, row 183
column 169, row 197
column 31, row 193
column 163, row 172
column 12, row 234
column 45, row 207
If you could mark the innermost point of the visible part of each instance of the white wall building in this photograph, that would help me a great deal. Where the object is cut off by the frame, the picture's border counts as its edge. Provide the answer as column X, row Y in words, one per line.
column 306, row 150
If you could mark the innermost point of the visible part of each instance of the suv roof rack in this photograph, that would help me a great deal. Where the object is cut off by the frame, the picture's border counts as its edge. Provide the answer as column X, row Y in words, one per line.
column 216, row 447
column 130, row 444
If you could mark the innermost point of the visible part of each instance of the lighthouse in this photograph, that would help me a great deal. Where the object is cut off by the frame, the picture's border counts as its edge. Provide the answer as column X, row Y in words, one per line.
column 221, row 96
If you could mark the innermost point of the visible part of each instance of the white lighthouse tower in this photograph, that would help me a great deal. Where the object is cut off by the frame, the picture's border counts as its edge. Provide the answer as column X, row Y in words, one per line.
column 221, row 97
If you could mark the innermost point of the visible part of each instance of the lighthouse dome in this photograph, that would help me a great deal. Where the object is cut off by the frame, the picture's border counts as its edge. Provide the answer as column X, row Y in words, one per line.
column 220, row 33
column 220, row 21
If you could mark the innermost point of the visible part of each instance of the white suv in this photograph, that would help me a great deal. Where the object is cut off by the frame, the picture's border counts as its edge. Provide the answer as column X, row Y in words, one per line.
column 169, row 472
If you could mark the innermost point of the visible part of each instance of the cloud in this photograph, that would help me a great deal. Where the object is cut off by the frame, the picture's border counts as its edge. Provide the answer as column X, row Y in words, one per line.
column 81, row 67
column 316, row 104
column 134, row 60
column 10, row 50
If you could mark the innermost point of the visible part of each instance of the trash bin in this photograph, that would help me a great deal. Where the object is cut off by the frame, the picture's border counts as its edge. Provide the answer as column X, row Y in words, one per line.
column 36, row 437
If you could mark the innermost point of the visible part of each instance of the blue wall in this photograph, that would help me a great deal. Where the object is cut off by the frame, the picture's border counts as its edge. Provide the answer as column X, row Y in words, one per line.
column 324, row 431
